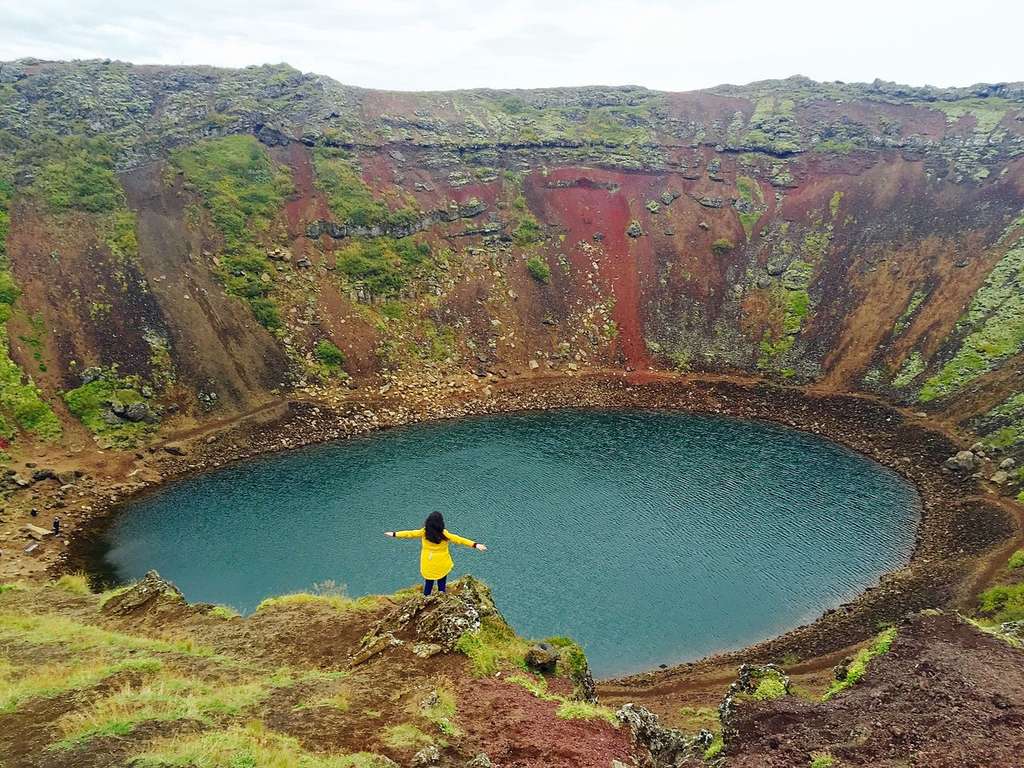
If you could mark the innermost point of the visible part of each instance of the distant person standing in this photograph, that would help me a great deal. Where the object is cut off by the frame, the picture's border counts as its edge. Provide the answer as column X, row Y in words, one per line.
column 435, row 561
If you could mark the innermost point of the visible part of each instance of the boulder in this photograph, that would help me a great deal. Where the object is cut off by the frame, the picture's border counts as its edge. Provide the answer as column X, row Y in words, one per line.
column 480, row 761
column 634, row 229
column 999, row 477
column 43, row 474
column 1007, row 464
column 961, row 461
column 139, row 411
column 145, row 595
column 542, row 657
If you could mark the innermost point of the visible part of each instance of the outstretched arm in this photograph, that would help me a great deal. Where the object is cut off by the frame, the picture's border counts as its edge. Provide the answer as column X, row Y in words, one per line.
column 405, row 534
column 456, row 539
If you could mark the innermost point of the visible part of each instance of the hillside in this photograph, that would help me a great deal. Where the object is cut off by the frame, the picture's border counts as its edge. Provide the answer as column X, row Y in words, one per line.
column 137, row 676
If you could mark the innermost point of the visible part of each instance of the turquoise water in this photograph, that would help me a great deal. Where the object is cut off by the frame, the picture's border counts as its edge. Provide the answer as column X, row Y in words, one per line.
column 652, row 537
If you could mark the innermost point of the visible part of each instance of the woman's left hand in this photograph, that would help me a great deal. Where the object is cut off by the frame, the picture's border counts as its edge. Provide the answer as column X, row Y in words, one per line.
column 481, row 547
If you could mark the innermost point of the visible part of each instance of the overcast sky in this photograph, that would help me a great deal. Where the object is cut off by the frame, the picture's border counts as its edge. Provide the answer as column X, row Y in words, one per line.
column 670, row 44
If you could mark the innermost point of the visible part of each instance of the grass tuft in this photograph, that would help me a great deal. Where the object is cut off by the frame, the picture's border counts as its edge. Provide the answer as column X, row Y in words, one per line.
column 584, row 710
column 405, row 736
column 492, row 646
column 76, row 583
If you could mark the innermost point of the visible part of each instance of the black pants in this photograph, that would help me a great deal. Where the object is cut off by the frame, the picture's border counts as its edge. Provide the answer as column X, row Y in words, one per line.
column 428, row 585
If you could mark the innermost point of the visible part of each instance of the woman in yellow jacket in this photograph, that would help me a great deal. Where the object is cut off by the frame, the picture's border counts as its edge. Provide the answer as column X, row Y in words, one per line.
column 435, row 562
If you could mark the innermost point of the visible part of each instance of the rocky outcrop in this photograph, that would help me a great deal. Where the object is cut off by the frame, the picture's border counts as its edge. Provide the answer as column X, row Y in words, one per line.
column 658, row 746
column 430, row 622
column 145, row 595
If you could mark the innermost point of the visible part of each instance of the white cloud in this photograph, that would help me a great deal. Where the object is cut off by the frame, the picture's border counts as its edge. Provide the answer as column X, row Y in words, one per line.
column 404, row 44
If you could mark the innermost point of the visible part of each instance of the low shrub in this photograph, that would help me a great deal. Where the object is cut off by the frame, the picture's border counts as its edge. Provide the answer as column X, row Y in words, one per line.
column 584, row 710
column 1016, row 560
column 539, row 269
column 1002, row 603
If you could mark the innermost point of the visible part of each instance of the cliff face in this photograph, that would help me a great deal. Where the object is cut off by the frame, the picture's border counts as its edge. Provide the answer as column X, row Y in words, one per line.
column 184, row 243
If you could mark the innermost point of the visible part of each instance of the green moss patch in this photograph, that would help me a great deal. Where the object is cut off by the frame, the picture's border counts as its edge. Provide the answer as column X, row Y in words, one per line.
column 994, row 326
column 1002, row 603
column 351, row 201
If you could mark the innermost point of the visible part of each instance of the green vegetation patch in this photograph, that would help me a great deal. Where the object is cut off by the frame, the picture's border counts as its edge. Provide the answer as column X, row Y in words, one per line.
column 769, row 689
column 492, row 647
column 1002, row 603
column 773, row 127
column 995, row 329
column 1007, row 423
column 722, row 246
column 405, row 736
column 879, row 646
column 912, row 367
column 903, row 321
column 822, row 760
column 330, row 360
column 539, row 269
column 245, row 746
column 351, row 201
column 243, row 191
column 164, row 699
column 1016, row 560
column 527, row 231
column 987, row 112
column 750, row 203
column 584, row 710
column 384, row 266
column 96, row 402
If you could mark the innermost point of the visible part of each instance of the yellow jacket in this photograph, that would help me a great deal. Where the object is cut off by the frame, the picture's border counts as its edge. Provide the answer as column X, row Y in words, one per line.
column 435, row 562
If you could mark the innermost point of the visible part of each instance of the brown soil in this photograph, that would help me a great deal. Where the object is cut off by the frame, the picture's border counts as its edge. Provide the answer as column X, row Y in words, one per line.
column 945, row 696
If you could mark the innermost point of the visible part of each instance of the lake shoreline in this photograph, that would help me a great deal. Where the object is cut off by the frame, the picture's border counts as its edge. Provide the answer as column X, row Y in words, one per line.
column 962, row 528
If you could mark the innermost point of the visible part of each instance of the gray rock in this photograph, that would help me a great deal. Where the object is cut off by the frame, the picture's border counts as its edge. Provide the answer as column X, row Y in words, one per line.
column 426, row 757
column 776, row 267
column 43, row 474
column 542, row 657
column 710, row 202
column 634, row 229
column 598, row 237
column 140, row 412
column 1007, row 464
column 999, row 477
column 91, row 374
column 652, row 206
column 962, row 461
column 667, row 197
column 480, row 761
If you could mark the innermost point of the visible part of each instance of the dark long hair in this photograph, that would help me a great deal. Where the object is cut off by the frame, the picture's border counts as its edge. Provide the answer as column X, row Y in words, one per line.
column 434, row 527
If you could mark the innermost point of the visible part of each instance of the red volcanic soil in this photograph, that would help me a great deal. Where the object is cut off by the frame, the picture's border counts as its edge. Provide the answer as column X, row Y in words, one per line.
column 587, row 206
